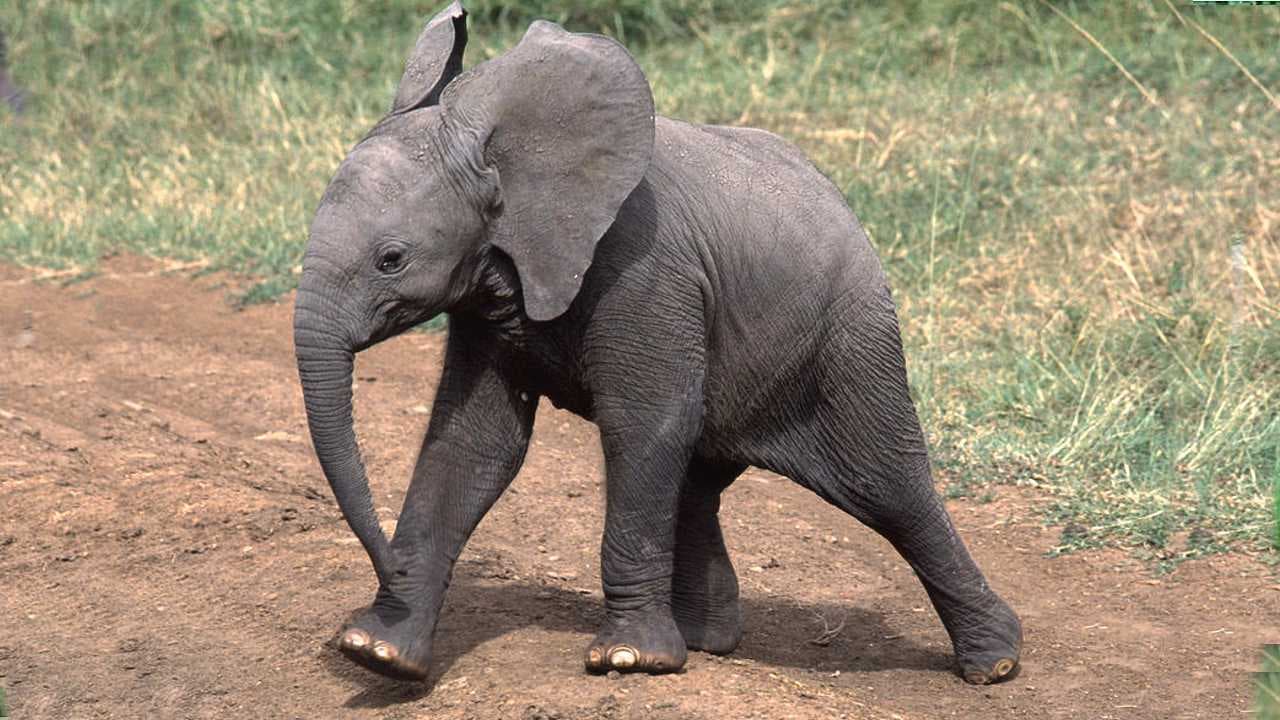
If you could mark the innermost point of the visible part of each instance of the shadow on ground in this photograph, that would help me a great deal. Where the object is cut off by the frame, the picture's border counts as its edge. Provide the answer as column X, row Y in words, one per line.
column 779, row 632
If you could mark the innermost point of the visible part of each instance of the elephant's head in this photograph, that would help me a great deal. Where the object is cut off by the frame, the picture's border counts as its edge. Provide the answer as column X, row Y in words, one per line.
column 529, row 155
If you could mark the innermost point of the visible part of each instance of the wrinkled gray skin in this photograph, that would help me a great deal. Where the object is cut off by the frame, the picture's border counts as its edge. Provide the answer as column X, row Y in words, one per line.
column 10, row 94
column 702, row 294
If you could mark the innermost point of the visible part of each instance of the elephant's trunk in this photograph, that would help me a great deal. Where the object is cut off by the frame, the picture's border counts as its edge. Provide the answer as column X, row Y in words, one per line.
column 325, row 360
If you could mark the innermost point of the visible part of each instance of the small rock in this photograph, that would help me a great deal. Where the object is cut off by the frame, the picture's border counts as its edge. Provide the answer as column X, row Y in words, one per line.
column 278, row 436
column 1073, row 532
column 534, row 712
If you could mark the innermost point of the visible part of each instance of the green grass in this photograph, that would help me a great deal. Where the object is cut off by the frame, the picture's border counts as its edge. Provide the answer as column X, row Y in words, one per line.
column 1267, row 684
column 1059, row 237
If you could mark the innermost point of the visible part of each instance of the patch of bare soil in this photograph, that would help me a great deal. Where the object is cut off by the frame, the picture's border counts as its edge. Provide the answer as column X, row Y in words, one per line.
column 169, row 548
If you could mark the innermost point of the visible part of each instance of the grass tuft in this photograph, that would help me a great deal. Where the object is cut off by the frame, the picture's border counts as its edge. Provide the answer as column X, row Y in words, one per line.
column 1267, row 685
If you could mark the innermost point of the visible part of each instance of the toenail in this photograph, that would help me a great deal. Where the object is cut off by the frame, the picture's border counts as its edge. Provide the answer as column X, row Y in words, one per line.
column 593, row 657
column 355, row 639
column 1002, row 668
column 976, row 678
column 383, row 651
column 623, row 657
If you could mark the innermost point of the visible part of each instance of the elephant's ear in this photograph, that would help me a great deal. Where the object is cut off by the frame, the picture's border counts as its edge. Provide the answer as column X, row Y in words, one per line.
column 436, row 59
column 567, row 122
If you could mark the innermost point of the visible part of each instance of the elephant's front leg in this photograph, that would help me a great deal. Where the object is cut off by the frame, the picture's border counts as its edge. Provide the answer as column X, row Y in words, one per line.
column 647, row 448
column 475, row 444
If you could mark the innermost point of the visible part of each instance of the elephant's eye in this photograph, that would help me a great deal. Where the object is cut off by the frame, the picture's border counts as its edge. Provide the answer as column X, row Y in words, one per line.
column 390, row 260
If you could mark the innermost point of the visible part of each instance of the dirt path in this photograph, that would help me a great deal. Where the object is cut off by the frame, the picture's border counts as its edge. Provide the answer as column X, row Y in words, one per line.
column 168, row 548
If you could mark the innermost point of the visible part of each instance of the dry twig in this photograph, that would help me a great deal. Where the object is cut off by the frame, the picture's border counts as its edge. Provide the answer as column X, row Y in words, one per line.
column 1275, row 103
column 1151, row 98
column 828, row 633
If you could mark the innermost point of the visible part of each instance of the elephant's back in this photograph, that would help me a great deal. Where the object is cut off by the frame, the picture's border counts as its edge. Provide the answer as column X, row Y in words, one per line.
column 763, row 209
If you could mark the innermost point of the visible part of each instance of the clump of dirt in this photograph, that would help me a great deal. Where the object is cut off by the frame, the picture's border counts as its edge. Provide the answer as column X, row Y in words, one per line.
column 168, row 548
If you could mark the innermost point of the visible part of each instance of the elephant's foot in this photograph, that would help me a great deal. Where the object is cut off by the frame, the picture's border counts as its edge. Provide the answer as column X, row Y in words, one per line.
column 390, row 641
column 987, row 651
column 706, row 608
column 640, row 641
column 710, row 625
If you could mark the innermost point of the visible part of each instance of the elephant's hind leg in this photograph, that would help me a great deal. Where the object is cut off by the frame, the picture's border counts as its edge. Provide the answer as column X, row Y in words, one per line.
column 901, row 505
column 704, row 587
column 873, row 464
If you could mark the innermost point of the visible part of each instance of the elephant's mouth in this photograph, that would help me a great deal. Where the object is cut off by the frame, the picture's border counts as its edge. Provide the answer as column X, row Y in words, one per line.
column 394, row 318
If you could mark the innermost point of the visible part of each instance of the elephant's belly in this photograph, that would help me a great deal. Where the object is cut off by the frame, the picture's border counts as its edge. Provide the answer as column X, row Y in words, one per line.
column 755, row 394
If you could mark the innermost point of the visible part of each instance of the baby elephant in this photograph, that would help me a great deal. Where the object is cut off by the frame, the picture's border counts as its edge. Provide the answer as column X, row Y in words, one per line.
column 702, row 294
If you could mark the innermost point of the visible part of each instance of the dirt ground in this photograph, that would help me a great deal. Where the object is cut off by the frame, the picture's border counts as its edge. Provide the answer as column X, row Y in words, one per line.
column 169, row 548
